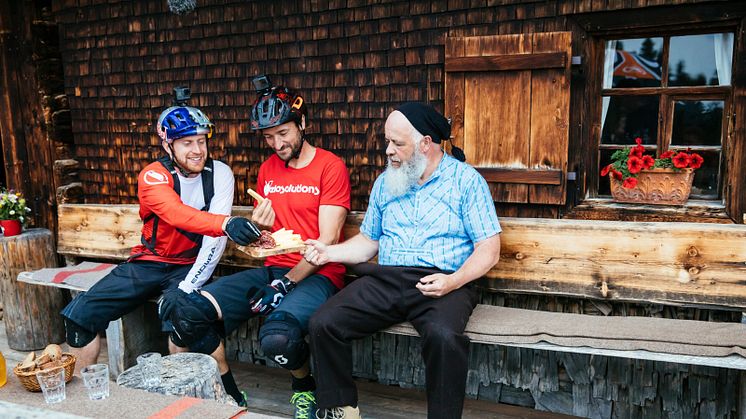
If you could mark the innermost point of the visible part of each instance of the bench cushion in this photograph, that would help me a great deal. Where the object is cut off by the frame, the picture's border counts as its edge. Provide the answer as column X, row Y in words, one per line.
column 519, row 327
column 80, row 277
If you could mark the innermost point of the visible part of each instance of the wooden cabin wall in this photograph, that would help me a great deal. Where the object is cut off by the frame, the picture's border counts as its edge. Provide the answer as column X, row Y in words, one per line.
column 35, row 128
column 354, row 60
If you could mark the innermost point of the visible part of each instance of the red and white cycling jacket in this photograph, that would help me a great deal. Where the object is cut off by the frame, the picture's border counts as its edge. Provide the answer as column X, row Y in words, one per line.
column 183, row 217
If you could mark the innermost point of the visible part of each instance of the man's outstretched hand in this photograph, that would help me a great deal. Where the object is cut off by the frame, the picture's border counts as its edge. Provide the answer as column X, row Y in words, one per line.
column 316, row 252
column 242, row 231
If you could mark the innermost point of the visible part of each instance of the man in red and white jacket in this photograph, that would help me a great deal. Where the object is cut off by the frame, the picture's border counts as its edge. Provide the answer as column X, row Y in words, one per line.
column 185, row 203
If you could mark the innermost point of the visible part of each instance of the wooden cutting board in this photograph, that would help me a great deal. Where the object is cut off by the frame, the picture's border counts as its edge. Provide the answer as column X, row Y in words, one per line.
column 258, row 253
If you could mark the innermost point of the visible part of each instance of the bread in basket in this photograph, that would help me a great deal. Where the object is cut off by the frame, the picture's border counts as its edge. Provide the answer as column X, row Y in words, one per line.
column 52, row 357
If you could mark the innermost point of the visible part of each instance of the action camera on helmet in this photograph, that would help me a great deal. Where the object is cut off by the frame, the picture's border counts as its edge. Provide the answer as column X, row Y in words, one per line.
column 181, row 95
column 180, row 120
column 262, row 84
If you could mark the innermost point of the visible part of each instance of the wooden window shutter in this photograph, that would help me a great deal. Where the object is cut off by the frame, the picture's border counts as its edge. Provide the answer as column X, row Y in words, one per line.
column 509, row 99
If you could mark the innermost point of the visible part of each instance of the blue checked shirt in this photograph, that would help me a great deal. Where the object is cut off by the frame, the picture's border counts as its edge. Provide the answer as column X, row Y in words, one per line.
column 434, row 224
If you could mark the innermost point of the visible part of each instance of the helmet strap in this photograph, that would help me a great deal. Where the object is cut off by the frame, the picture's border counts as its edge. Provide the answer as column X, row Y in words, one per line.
column 184, row 171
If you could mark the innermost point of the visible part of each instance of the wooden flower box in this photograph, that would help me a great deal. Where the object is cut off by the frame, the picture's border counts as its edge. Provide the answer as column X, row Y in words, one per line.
column 656, row 186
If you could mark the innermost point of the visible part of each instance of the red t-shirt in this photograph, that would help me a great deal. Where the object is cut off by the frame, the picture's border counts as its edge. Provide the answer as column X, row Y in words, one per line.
column 296, row 195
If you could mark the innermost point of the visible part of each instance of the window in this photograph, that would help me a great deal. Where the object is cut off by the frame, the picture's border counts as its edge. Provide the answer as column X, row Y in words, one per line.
column 674, row 92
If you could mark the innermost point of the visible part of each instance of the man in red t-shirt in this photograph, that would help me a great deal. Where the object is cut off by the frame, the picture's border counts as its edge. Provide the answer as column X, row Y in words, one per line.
column 307, row 190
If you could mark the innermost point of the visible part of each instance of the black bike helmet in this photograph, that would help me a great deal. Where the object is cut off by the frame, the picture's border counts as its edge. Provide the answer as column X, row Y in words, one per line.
column 277, row 106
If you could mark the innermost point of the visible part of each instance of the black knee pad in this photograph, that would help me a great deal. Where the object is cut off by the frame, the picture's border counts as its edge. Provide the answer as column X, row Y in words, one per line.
column 206, row 344
column 77, row 336
column 192, row 319
column 281, row 338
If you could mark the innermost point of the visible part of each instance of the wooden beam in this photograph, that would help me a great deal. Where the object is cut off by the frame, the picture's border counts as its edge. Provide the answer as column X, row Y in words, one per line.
column 735, row 135
column 672, row 263
column 687, row 263
column 685, row 17
column 109, row 232
column 526, row 176
column 693, row 211
column 706, row 92
column 507, row 62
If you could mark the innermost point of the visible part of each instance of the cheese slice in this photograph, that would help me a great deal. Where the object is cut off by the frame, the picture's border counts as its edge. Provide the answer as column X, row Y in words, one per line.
column 255, row 195
column 286, row 238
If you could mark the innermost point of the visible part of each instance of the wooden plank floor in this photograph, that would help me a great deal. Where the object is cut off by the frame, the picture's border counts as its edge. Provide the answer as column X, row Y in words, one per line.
column 269, row 393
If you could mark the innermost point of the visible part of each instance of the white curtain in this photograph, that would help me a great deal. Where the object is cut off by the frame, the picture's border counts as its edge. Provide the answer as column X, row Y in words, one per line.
column 609, row 56
column 724, row 57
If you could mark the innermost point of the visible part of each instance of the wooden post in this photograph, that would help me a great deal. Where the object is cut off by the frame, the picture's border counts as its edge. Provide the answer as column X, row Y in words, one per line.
column 27, row 149
column 134, row 333
column 741, row 403
column 31, row 313
column 183, row 374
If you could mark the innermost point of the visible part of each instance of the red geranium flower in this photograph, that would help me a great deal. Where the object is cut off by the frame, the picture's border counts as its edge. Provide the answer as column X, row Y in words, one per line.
column 681, row 160
column 635, row 164
column 647, row 162
column 630, row 182
column 633, row 160
column 696, row 161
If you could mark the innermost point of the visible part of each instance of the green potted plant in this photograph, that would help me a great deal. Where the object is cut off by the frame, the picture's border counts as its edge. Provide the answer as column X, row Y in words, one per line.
column 639, row 178
column 13, row 211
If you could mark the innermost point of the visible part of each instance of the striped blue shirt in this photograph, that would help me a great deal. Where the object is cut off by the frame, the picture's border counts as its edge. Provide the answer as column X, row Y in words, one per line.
column 434, row 224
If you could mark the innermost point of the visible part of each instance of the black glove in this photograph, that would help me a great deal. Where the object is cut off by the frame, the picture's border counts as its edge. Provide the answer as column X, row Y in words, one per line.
column 267, row 298
column 242, row 231
column 168, row 302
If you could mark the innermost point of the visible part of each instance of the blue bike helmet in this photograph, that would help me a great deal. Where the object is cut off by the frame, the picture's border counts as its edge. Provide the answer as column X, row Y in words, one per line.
column 182, row 121
column 277, row 106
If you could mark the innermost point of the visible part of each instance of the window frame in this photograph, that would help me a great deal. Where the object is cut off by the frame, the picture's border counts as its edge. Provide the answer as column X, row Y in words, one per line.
column 667, row 97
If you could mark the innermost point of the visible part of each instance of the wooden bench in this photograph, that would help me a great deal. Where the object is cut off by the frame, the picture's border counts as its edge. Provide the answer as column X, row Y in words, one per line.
column 678, row 264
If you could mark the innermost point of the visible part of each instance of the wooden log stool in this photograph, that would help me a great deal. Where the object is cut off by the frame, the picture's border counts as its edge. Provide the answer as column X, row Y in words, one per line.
column 31, row 314
column 183, row 374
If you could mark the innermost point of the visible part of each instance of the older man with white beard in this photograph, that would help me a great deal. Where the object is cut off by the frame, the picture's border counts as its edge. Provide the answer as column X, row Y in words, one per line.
column 432, row 222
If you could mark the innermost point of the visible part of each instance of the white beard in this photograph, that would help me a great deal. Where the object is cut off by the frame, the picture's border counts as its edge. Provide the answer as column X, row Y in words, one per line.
column 399, row 180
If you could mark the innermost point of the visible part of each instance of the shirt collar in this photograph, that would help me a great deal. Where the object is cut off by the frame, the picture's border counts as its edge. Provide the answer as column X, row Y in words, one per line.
column 445, row 162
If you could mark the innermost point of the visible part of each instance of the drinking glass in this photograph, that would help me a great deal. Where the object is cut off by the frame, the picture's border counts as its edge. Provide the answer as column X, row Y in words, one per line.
column 96, row 379
column 150, row 368
column 52, row 383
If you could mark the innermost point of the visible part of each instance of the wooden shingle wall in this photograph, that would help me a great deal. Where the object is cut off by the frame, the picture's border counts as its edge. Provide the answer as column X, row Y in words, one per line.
column 354, row 61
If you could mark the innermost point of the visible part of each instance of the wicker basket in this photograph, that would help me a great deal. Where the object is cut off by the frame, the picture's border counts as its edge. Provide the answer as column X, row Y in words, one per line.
column 28, row 379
